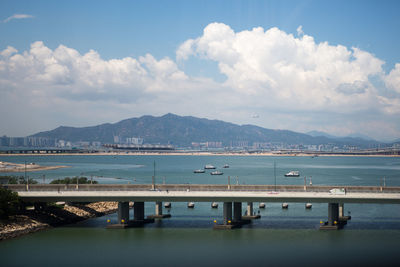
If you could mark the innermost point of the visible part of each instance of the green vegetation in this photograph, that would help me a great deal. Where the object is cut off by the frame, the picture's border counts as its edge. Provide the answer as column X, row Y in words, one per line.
column 9, row 202
column 67, row 180
column 16, row 180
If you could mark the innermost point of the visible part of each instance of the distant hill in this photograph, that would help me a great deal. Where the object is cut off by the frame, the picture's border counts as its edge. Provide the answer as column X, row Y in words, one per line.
column 354, row 135
column 183, row 130
column 319, row 133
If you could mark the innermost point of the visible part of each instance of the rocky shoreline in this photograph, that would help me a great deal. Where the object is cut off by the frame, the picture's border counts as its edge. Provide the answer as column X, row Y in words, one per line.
column 31, row 221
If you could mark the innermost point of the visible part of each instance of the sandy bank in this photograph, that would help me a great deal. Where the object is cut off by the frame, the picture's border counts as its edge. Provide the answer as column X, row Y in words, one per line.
column 31, row 167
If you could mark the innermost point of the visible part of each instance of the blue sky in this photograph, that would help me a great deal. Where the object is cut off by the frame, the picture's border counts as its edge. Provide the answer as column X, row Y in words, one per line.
column 158, row 80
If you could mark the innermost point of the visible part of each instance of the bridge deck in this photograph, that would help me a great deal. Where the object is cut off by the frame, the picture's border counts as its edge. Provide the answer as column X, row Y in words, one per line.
column 207, row 193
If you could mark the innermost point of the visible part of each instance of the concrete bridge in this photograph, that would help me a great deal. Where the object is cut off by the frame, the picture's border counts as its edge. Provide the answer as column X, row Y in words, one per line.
column 231, row 195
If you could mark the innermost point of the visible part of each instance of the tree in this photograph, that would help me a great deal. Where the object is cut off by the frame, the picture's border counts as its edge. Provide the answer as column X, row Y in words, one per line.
column 18, row 180
column 8, row 202
column 67, row 180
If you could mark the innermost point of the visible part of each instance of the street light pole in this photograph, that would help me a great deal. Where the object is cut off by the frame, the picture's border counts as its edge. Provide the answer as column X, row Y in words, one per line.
column 275, row 175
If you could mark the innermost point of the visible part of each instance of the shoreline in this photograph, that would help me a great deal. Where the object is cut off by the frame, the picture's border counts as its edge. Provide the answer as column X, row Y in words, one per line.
column 31, row 221
column 31, row 167
column 129, row 153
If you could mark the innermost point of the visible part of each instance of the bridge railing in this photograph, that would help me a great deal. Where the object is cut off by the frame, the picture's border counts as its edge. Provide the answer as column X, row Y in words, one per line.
column 199, row 187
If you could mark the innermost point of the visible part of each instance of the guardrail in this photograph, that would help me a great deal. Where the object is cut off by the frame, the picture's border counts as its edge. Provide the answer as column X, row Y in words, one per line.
column 198, row 187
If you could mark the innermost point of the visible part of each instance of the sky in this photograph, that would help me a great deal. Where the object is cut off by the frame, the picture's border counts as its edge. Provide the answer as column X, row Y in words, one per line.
column 331, row 66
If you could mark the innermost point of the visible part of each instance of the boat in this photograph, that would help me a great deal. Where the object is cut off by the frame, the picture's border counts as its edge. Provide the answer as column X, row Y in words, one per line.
column 292, row 174
column 209, row 167
column 216, row 173
column 199, row 171
column 226, row 166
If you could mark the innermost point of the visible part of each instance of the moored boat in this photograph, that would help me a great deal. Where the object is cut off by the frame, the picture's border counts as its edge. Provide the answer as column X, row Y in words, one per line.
column 226, row 166
column 216, row 173
column 199, row 171
column 292, row 174
column 209, row 167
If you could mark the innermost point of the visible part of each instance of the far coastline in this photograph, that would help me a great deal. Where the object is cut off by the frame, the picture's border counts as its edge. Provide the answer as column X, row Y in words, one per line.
column 203, row 153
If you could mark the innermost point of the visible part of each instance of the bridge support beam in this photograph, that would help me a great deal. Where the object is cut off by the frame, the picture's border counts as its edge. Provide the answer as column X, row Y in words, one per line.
column 250, row 213
column 237, row 212
column 123, row 212
column 250, row 208
column 138, row 211
column 342, row 217
column 333, row 213
column 227, row 213
column 158, row 212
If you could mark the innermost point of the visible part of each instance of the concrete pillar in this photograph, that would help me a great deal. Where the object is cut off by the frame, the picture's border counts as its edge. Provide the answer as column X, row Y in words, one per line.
column 138, row 211
column 123, row 212
column 333, row 213
column 341, row 210
column 249, row 208
column 237, row 211
column 158, row 208
column 227, row 212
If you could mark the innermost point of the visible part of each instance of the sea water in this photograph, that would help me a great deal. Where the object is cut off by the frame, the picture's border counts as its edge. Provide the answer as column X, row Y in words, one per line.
column 281, row 237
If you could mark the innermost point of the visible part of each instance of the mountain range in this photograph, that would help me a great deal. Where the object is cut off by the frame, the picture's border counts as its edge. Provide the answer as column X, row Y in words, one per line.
column 181, row 131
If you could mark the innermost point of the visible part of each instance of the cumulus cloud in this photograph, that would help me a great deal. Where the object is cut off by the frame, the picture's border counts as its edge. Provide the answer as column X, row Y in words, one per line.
column 274, row 67
column 18, row 16
column 393, row 79
column 289, row 82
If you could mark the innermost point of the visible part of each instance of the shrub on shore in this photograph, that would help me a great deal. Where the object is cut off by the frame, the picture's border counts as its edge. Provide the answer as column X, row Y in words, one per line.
column 12, row 179
column 9, row 202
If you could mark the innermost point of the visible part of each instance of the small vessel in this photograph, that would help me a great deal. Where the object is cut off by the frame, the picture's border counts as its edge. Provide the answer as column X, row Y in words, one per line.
column 216, row 173
column 292, row 174
column 226, row 166
column 308, row 205
column 209, row 167
column 285, row 205
column 214, row 205
column 167, row 205
column 261, row 205
column 190, row 205
column 199, row 171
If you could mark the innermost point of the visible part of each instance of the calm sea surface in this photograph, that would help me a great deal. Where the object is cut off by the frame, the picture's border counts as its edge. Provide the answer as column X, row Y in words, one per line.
column 279, row 238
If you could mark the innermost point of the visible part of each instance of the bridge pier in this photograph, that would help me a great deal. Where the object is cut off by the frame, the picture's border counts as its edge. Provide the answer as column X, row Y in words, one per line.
column 237, row 212
column 250, row 212
column 123, row 216
column 227, row 213
column 123, row 212
column 333, row 222
column 158, row 212
column 342, row 217
column 227, row 210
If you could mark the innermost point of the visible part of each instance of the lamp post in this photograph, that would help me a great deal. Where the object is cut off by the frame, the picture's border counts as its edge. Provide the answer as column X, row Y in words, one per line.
column 275, row 176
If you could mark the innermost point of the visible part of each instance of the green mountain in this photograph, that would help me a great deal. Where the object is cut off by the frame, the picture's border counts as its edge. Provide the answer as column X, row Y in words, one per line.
column 181, row 131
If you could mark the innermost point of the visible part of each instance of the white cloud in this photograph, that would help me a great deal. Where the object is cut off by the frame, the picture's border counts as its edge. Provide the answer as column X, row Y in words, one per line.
column 273, row 67
column 18, row 16
column 392, row 80
column 299, row 30
column 289, row 82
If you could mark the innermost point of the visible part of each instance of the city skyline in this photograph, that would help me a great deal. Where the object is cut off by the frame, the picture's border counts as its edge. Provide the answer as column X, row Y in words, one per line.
column 296, row 65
